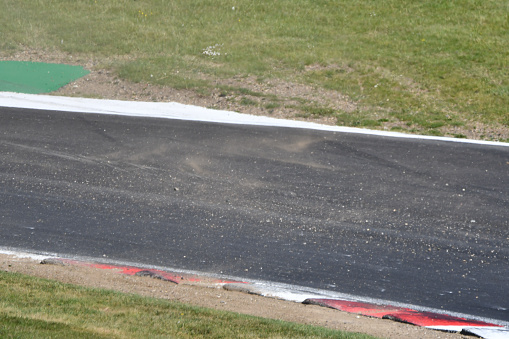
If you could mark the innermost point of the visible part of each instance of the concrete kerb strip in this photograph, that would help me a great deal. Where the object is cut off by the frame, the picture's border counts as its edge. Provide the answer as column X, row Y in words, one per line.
column 172, row 110
column 419, row 316
column 430, row 320
column 174, row 277
column 436, row 321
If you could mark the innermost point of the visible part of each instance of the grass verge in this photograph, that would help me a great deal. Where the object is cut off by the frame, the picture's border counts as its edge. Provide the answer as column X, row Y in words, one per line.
column 33, row 307
column 422, row 67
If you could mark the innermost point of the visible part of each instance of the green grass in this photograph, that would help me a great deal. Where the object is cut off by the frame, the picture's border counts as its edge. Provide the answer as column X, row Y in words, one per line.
column 33, row 307
column 431, row 64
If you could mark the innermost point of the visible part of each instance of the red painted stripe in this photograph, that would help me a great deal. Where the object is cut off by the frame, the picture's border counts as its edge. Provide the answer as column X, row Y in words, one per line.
column 128, row 270
column 429, row 319
column 371, row 310
column 131, row 270
column 406, row 315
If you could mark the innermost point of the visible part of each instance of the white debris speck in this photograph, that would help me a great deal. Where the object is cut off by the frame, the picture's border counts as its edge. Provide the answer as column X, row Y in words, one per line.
column 213, row 50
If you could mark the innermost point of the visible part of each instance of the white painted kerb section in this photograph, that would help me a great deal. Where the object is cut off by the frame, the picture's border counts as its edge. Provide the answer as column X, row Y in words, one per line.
column 172, row 110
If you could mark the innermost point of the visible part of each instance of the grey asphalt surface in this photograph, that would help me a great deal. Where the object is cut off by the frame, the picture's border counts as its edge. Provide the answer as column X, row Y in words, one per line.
column 413, row 221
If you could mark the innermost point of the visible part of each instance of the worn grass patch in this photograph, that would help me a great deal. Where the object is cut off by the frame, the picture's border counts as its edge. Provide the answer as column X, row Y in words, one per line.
column 33, row 307
column 426, row 65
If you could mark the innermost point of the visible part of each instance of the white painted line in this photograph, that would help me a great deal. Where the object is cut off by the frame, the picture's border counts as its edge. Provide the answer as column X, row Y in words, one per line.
column 489, row 333
column 172, row 110
column 22, row 255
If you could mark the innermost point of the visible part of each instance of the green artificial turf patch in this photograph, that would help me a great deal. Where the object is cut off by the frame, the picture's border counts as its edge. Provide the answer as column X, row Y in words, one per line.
column 36, row 77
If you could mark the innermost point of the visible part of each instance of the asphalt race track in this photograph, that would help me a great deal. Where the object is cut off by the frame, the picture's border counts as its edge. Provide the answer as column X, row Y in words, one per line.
column 415, row 221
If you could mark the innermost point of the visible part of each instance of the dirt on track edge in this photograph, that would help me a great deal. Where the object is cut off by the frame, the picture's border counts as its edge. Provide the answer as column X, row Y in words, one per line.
column 213, row 296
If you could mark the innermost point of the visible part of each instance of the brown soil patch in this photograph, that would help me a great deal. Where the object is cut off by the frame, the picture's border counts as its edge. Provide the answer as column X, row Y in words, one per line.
column 103, row 84
column 212, row 296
